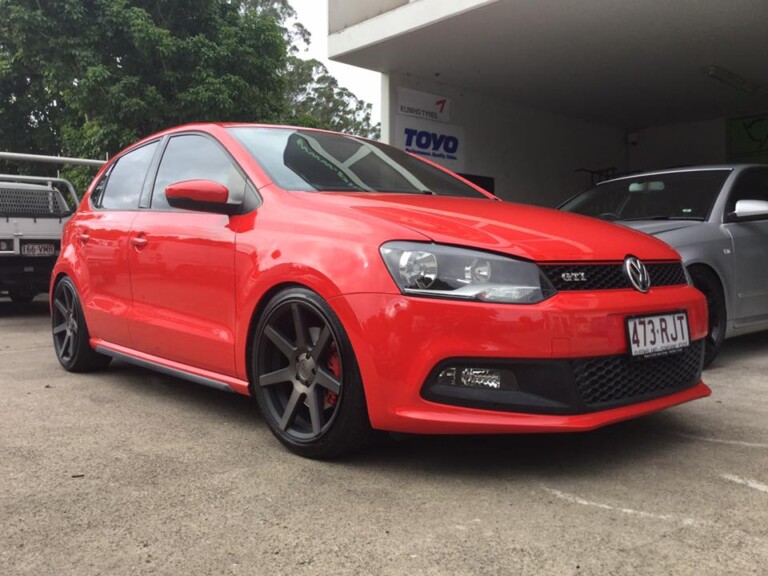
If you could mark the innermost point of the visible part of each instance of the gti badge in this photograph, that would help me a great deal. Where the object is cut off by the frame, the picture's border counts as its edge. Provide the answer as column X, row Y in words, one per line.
column 637, row 274
column 574, row 276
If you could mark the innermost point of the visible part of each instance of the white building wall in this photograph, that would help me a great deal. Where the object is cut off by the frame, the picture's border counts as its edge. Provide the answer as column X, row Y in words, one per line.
column 678, row 145
column 532, row 155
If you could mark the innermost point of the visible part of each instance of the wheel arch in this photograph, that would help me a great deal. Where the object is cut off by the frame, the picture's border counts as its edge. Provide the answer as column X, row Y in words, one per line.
column 55, row 279
column 701, row 265
column 254, row 320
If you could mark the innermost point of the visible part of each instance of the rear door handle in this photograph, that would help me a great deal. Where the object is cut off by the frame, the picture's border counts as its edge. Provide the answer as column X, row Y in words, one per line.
column 83, row 237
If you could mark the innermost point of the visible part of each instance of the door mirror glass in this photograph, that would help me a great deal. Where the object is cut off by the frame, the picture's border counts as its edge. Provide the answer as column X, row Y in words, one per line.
column 202, row 196
column 751, row 209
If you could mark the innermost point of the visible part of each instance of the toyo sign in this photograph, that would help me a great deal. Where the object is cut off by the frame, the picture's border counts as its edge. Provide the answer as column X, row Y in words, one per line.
column 421, row 127
column 441, row 143
column 431, row 141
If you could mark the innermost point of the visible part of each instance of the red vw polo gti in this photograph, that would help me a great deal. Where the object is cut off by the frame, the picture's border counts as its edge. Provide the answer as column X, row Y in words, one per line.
column 351, row 287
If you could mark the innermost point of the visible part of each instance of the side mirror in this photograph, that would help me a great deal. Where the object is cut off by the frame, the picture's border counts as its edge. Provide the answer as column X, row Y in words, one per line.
column 749, row 210
column 201, row 196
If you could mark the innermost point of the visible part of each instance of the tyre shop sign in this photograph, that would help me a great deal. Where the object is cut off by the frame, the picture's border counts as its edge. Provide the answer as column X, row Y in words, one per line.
column 441, row 143
column 421, row 128
column 423, row 105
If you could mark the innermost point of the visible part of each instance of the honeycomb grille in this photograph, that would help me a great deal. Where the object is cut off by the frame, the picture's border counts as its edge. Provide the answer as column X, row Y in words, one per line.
column 21, row 202
column 617, row 380
column 611, row 276
column 666, row 274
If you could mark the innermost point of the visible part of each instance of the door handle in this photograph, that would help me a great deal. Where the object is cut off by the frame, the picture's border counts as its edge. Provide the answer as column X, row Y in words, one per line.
column 83, row 237
column 139, row 242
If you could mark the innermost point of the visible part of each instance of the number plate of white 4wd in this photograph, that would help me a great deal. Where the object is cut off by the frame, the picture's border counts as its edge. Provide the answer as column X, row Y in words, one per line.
column 37, row 250
column 658, row 335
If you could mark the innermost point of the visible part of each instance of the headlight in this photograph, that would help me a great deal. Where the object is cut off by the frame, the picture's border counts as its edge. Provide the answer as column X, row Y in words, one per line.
column 446, row 271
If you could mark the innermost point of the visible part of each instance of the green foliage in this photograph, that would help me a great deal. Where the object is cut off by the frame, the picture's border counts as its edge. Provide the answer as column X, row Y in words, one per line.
column 318, row 101
column 88, row 77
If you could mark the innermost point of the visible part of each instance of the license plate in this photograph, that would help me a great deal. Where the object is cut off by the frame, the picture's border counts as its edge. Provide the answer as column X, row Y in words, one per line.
column 658, row 335
column 37, row 250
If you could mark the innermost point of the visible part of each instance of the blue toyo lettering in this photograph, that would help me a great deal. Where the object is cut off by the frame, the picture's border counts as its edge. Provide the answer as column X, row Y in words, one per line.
column 423, row 140
column 451, row 144
column 431, row 141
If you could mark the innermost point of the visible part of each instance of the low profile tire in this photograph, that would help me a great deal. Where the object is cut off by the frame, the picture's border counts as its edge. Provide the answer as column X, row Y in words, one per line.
column 19, row 297
column 71, row 339
column 306, row 379
column 708, row 283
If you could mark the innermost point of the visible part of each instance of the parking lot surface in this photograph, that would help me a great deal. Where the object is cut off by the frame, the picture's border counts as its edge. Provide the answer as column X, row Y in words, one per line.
column 131, row 472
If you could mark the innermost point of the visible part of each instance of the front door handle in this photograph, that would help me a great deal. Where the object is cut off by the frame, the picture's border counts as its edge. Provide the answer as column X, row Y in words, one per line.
column 139, row 242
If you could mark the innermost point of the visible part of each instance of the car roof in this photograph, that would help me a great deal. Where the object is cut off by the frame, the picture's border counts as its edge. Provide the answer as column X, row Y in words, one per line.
column 702, row 168
column 207, row 126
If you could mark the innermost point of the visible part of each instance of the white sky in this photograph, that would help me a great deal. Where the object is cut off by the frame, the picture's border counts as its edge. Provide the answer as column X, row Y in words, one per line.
column 313, row 15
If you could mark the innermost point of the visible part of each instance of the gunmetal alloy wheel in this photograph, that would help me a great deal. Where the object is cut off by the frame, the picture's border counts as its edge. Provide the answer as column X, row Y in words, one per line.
column 66, row 328
column 71, row 339
column 306, row 379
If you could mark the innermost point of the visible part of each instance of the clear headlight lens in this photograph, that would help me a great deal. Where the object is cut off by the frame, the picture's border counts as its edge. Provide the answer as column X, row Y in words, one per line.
column 449, row 272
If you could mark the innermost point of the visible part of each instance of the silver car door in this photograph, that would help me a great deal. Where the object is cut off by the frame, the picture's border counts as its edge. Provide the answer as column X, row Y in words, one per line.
column 750, row 247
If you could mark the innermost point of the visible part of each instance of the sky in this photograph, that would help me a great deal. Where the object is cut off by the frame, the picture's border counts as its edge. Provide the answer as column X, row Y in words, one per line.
column 313, row 15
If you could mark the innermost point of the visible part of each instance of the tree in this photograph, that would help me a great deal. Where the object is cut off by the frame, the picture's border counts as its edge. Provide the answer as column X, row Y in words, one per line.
column 318, row 101
column 88, row 77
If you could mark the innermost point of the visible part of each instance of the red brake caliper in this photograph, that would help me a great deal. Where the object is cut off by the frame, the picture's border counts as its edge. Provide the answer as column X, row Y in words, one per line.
column 334, row 366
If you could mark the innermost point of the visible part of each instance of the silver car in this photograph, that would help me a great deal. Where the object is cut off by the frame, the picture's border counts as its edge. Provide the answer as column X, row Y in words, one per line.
column 716, row 217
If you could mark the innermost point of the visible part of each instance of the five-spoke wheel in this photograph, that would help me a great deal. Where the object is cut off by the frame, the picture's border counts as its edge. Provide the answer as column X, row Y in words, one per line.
column 306, row 378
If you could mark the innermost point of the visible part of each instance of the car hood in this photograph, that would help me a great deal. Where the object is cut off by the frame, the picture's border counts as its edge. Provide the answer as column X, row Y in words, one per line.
column 540, row 234
column 655, row 227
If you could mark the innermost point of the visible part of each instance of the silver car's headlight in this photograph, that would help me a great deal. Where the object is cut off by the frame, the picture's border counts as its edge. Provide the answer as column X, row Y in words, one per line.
column 449, row 272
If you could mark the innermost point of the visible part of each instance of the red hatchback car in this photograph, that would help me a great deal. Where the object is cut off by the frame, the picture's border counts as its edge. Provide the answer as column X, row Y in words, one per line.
column 350, row 286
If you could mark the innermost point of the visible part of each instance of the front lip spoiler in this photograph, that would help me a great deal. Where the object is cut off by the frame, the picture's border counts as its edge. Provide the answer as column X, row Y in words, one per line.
column 444, row 419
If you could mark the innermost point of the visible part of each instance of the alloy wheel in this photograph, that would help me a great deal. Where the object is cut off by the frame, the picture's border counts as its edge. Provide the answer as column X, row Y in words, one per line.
column 66, row 329
column 300, row 370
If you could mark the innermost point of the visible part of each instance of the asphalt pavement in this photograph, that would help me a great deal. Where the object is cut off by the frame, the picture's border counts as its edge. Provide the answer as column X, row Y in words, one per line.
column 131, row 472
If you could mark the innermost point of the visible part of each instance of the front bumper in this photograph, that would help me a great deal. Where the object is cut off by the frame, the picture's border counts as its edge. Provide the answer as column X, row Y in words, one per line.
column 399, row 341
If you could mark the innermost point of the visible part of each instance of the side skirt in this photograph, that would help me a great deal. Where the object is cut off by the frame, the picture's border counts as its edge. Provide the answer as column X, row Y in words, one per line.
column 175, row 369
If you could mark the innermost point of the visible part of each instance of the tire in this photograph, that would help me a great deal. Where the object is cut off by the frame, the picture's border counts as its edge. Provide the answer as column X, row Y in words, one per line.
column 19, row 297
column 71, row 339
column 709, row 284
column 306, row 379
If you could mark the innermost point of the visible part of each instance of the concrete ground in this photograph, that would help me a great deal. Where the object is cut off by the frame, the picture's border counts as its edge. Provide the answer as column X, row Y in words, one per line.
column 129, row 472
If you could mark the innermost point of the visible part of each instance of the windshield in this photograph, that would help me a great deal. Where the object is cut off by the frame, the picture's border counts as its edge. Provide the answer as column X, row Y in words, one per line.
column 672, row 196
column 310, row 161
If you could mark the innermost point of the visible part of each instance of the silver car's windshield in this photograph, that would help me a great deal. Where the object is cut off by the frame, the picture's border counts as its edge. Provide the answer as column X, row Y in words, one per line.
column 671, row 196
column 313, row 161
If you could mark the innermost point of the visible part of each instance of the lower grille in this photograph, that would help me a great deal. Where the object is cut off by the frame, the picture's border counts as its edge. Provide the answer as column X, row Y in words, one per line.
column 616, row 380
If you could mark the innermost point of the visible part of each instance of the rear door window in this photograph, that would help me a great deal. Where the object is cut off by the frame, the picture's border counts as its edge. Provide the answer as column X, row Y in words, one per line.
column 126, row 180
